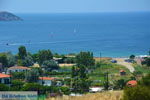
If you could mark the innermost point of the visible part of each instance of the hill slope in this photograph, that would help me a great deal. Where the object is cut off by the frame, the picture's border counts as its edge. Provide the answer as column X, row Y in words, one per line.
column 6, row 16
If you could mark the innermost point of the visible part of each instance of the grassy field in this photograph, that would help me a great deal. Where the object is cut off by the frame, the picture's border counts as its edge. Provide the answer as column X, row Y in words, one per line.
column 112, row 69
column 113, row 95
column 143, row 69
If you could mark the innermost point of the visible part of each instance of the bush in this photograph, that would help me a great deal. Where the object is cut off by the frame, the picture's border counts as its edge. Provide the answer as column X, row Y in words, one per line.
column 50, row 65
column 32, row 87
column 136, row 93
column 18, row 75
column 146, row 62
column 32, row 75
column 16, row 85
column 119, row 84
column 70, row 60
column 4, row 87
column 145, row 81
column 65, row 90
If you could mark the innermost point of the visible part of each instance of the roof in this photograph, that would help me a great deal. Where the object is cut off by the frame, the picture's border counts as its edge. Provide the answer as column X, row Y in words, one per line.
column 46, row 78
column 132, row 83
column 4, row 75
column 18, row 67
column 122, row 71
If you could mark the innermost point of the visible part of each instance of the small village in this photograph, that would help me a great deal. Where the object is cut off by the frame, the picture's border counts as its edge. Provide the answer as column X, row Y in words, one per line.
column 55, row 75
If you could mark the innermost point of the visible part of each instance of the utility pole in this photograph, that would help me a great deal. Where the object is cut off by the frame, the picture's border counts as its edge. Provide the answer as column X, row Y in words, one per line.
column 100, row 55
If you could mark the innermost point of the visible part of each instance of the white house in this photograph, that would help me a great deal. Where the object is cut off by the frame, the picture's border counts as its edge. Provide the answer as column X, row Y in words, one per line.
column 46, row 81
column 4, row 79
column 17, row 69
column 96, row 89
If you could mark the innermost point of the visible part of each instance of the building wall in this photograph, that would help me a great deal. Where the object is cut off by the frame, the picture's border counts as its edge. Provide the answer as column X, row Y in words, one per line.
column 2, row 80
column 15, row 70
column 45, row 82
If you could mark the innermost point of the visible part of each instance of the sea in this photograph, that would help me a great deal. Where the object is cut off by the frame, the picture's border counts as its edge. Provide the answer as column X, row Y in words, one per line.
column 108, row 34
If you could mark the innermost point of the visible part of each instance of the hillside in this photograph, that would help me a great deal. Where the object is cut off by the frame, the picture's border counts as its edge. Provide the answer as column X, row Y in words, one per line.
column 6, row 16
column 113, row 95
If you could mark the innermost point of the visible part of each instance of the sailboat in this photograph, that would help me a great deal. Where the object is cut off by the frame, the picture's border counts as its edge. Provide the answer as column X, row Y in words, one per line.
column 75, row 31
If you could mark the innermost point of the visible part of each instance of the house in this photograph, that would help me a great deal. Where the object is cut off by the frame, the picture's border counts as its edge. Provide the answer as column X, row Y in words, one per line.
column 46, row 81
column 59, row 83
column 96, row 89
column 58, row 60
column 5, row 79
column 122, row 72
column 17, row 69
column 131, row 83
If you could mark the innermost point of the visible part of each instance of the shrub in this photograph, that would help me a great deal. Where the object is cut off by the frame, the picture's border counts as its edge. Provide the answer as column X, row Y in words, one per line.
column 18, row 75
column 4, row 87
column 50, row 65
column 145, row 81
column 32, row 87
column 65, row 90
column 16, row 85
column 136, row 93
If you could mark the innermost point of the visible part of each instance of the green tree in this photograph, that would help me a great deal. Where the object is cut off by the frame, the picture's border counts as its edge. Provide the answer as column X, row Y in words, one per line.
column 35, row 57
column 132, row 56
column 147, row 61
column 120, row 84
column 16, row 85
column 80, row 81
column 85, row 58
column 22, row 52
column 11, row 59
column 32, row 75
column 50, row 65
column 18, row 75
column 44, row 55
column 69, row 60
column 3, row 59
column 28, row 61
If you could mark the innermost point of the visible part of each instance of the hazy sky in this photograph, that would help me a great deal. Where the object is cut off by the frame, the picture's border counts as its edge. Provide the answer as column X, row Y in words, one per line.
column 71, row 6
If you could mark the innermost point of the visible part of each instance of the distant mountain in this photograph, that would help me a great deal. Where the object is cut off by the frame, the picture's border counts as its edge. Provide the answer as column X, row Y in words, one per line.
column 6, row 16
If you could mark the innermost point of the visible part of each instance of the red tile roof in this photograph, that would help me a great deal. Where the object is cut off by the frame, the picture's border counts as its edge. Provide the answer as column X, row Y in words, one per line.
column 18, row 67
column 122, row 71
column 132, row 83
column 4, row 75
column 47, row 78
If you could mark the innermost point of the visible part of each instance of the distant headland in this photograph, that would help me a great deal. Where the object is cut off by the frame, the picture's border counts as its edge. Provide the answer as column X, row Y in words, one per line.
column 7, row 16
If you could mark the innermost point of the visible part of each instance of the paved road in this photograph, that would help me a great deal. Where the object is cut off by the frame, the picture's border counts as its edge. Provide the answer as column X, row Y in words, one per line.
column 121, row 61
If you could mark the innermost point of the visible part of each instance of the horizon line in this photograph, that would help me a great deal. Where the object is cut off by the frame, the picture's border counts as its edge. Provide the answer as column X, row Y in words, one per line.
column 75, row 12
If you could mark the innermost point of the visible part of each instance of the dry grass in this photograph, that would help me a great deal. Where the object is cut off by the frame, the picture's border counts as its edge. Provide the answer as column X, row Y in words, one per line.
column 113, row 95
column 66, row 65
column 102, row 58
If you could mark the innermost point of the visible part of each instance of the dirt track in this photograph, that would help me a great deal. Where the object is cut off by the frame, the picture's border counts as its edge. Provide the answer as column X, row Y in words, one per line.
column 121, row 61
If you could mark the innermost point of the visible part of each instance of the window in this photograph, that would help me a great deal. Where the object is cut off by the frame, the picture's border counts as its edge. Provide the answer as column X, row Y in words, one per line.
column 6, row 81
column 0, row 80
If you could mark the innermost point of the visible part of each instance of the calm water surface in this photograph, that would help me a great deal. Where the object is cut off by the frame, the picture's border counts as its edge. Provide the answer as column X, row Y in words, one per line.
column 112, row 34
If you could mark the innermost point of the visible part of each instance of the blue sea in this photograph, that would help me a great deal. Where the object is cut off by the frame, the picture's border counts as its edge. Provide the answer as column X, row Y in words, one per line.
column 112, row 34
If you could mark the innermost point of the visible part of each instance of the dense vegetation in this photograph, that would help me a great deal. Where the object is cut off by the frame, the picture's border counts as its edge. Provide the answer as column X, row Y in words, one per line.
column 85, row 72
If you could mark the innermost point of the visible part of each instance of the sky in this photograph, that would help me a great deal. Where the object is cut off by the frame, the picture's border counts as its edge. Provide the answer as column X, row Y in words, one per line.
column 74, row 6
